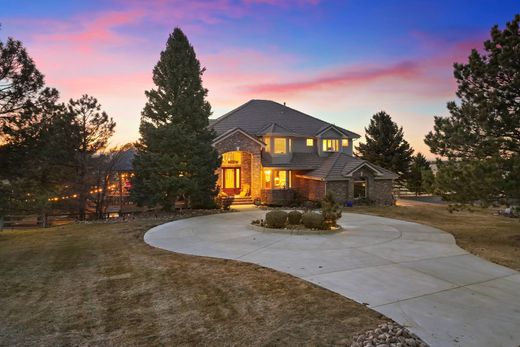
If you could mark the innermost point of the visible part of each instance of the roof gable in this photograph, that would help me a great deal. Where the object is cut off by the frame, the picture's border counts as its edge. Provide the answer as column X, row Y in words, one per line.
column 234, row 131
column 276, row 129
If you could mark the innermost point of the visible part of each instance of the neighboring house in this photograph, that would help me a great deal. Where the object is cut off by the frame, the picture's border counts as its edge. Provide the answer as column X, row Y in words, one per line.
column 273, row 152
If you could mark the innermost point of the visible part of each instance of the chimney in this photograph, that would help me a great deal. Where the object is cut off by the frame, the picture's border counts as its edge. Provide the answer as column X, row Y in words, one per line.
column 284, row 103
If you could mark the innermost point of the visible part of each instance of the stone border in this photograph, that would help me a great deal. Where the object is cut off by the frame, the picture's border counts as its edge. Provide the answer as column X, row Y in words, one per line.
column 295, row 231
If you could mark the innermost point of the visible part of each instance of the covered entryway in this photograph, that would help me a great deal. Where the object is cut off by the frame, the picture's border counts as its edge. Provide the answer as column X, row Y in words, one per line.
column 235, row 174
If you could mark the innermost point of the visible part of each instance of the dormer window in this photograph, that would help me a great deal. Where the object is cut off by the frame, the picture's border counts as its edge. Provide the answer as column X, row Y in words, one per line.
column 310, row 142
column 330, row 145
column 344, row 142
column 280, row 145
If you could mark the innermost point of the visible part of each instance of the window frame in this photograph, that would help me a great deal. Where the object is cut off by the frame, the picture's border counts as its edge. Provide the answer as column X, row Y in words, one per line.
column 343, row 141
column 309, row 142
column 284, row 145
column 334, row 145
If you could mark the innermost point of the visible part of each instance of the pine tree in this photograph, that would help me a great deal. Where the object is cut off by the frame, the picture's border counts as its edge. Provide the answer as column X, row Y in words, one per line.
column 92, row 131
column 175, row 158
column 385, row 145
column 20, row 79
column 481, row 137
column 417, row 180
column 37, row 157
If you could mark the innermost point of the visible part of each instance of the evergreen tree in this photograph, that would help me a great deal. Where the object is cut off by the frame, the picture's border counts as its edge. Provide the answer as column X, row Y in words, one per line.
column 418, row 180
column 92, row 130
column 385, row 145
column 175, row 158
column 481, row 137
column 35, row 157
column 20, row 80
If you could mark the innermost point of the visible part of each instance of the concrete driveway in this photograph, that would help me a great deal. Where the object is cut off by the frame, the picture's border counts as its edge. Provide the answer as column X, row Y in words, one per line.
column 412, row 273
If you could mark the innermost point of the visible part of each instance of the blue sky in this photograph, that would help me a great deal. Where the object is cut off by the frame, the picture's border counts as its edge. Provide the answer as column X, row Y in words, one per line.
column 338, row 60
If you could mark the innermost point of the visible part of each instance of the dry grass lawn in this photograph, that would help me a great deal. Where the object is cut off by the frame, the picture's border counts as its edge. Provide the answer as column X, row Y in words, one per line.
column 479, row 231
column 100, row 284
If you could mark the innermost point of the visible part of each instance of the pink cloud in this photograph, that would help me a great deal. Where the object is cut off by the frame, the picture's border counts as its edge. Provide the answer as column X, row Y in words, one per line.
column 350, row 76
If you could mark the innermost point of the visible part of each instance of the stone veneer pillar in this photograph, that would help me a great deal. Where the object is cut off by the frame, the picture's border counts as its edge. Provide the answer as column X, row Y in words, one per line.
column 256, row 172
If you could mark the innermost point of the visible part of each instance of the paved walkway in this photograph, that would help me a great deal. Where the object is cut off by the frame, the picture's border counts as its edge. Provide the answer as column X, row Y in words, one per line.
column 412, row 273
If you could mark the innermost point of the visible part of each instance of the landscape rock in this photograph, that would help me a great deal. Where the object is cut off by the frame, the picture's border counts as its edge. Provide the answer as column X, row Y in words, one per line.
column 388, row 335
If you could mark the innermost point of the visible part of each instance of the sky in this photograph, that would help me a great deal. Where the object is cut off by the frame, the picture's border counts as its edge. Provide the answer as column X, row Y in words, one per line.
column 341, row 61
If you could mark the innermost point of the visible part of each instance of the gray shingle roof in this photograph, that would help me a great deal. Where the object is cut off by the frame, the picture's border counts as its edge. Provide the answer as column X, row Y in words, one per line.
column 299, row 161
column 276, row 129
column 339, row 165
column 255, row 115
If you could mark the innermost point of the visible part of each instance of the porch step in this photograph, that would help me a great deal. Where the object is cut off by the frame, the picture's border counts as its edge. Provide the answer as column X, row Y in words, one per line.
column 241, row 201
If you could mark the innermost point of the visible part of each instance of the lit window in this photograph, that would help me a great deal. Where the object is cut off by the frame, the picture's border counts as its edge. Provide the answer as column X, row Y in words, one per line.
column 267, row 141
column 231, row 158
column 280, row 145
column 280, row 179
column 277, row 179
column 344, row 143
column 330, row 145
column 310, row 142
column 267, row 178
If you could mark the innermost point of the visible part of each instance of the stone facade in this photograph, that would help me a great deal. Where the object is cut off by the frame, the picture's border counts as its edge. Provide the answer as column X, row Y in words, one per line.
column 339, row 189
column 378, row 190
column 382, row 192
column 251, row 168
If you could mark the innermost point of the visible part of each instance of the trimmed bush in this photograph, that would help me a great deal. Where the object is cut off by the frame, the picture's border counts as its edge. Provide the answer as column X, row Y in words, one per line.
column 312, row 220
column 276, row 219
column 294, row 217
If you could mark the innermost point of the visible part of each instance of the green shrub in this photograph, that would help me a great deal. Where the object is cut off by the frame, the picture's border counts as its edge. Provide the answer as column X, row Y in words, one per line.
column 330, row 210
column 312, row 220
column 294, row 217
column 276, row 219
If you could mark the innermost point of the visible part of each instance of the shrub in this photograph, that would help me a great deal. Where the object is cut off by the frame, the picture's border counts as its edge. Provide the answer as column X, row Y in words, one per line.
column 330, row 210
column 223, row 202
column 294, row 217
column 276, row 219
column 312, row 220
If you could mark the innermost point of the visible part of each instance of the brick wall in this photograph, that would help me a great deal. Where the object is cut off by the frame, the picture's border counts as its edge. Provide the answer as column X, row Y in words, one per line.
column 309, row 189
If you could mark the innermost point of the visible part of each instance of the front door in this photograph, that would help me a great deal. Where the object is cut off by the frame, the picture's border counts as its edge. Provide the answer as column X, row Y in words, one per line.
column 231, row 181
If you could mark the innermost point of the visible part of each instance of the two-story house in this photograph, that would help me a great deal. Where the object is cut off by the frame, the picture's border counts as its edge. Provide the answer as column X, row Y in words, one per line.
column 271, row 151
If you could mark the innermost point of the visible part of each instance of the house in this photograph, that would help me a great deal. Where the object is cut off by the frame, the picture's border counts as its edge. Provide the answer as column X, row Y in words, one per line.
column 274, row 153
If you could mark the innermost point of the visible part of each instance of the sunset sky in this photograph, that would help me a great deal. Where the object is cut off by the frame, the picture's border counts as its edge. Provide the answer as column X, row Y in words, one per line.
column 341, row 61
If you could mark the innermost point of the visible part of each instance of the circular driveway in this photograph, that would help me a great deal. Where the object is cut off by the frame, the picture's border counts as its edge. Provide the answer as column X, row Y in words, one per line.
column 412, row 273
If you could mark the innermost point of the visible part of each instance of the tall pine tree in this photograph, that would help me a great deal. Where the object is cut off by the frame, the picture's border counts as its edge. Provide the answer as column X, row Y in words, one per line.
column 385, row 145
column 175, row 159
column 419, row 178
column 481, row 137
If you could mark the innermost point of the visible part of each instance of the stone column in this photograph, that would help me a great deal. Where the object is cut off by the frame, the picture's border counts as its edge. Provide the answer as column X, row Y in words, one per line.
column 256, row 171
column 350, row 190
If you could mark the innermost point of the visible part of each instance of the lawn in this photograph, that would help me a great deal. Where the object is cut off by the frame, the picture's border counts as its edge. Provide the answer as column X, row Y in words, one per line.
column 479, row 231
column 100, row 284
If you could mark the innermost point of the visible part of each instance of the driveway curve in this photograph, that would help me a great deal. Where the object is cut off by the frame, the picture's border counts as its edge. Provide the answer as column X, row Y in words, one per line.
column 412, row 273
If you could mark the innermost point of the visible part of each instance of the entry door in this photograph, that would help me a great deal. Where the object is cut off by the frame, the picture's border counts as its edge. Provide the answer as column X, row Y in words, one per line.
column 231, row 181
